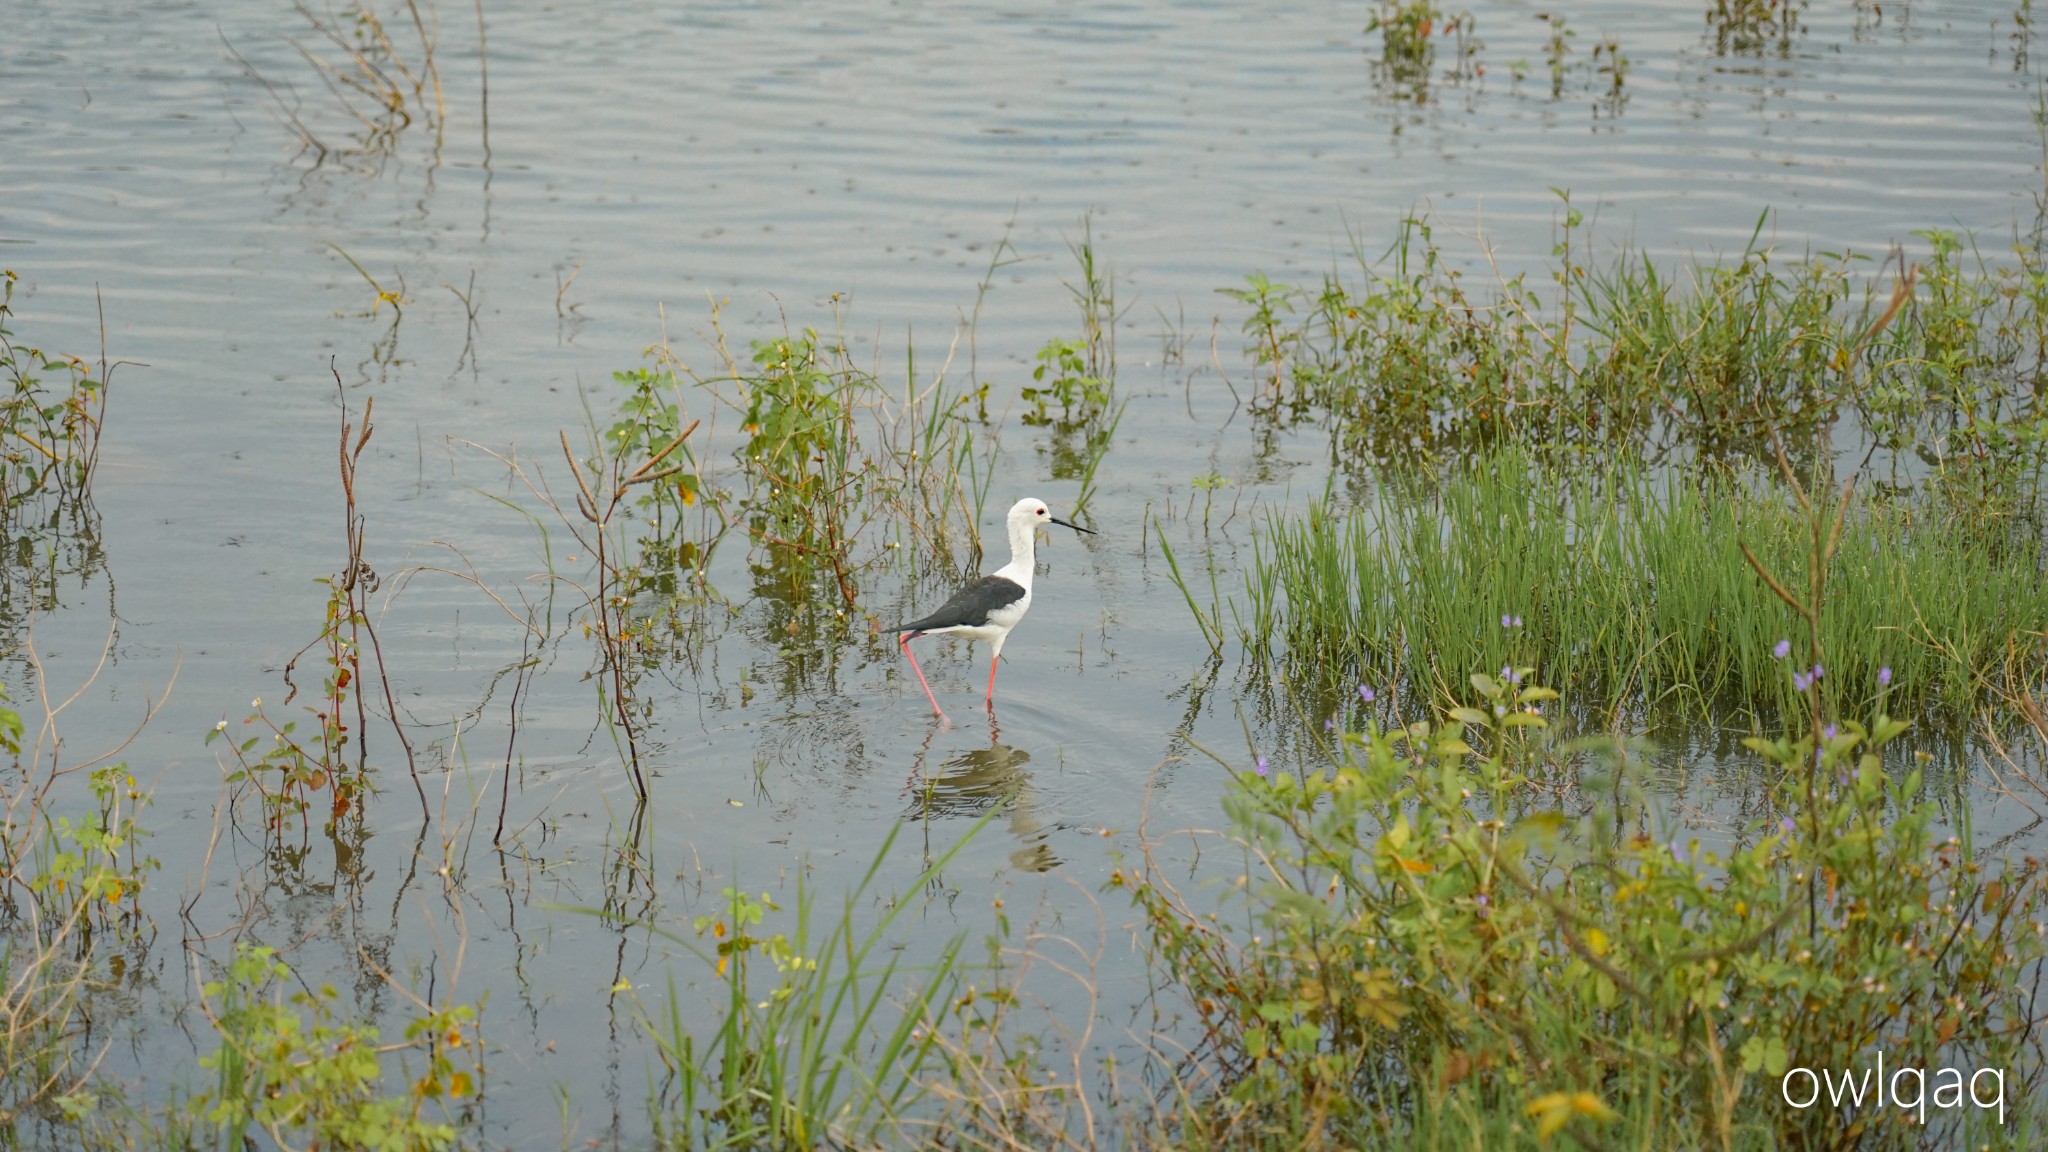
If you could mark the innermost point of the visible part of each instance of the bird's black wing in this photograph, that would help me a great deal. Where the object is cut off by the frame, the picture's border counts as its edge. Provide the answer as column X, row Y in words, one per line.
column 969, row 607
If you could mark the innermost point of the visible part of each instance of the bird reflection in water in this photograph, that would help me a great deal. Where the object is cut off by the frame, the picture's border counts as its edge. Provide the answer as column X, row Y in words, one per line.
column 981, row 780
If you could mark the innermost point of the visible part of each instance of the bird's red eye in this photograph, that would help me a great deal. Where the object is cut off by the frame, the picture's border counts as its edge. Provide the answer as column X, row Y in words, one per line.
column 1041, row 511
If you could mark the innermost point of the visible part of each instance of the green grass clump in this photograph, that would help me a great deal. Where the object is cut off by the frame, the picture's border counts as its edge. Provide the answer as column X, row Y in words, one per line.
column 1632, row 583
column 1421, row 950
column 821, row 1040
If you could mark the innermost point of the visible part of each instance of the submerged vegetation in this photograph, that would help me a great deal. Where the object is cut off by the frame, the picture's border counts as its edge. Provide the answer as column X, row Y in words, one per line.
column 52, row 408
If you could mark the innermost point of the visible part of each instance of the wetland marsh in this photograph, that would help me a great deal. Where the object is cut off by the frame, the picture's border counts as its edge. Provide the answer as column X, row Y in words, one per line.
column 1564, row 647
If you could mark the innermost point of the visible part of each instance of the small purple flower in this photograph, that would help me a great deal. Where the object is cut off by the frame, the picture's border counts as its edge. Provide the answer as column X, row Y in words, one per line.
column 1884, row 676
column 1366, row 693
column 1678, row 851
column 1507, row 621
column 1801, row 681
column 1782, row 649
column 1817, row 670
column 1330, row 725
column 1828, row 732
column 1786, row 825
column 1262, row 766
column 1481, row 900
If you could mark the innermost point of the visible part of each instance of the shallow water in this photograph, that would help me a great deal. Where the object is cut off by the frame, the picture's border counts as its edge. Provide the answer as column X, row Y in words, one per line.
column 644, row 158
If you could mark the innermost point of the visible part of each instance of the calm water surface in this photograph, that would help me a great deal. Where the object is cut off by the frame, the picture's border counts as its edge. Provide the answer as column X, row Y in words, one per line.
column 647, row 159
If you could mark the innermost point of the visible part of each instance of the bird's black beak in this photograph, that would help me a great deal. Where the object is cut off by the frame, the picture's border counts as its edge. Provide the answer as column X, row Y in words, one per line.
column 1075, row 527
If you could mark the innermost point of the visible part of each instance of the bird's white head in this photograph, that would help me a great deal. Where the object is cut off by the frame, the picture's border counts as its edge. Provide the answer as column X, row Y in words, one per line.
column 1029, row 512
column 1025, row 517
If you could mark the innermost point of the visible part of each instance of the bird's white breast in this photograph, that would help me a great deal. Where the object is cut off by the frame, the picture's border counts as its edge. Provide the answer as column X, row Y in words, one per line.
column 1007, row 616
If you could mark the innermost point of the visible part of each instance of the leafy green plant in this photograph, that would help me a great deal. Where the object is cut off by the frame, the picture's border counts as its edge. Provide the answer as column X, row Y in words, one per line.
column 1080, row 377
column 69, row 899
column 795, row 411
column 1943, row 364
column 88, row 869
column 1409, row 31
column 650, row 417
column 285, row 774
column 294, row 1067
column 1270, row 339
column 1425, row 937
column 1069, row 385
column 49, row 437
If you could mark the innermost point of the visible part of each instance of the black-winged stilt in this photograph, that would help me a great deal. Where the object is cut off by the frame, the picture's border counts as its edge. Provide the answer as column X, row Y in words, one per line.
column 988, row 608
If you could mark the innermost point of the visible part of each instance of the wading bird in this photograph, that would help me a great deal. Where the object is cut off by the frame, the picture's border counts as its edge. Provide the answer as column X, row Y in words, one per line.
column 988, row 608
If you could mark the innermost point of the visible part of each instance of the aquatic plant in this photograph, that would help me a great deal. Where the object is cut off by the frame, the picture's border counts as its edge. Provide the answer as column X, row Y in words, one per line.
column 600, row 497
column 296, row 1068
column 1754, row 27
column 1409, row 33
column 819, row 1040
column 49, row 435
column 1069, row 385
column 1942, row 370
column 70, row 908
column 1636, row 584
column 831, row 474
column 287, row 769
column 378, row 87
column 1080, row 376
column 1417, row 941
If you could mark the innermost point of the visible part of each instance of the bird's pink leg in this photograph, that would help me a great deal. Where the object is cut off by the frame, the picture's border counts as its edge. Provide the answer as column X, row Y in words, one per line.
column 991, row 683
column 905, row 642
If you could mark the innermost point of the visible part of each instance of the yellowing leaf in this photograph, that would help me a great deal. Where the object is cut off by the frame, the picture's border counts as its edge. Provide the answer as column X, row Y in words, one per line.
column 1555, row 1109
column 1596, row 941
column 1551, row 1112
column 1587, row 1104
column 1397, row 836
